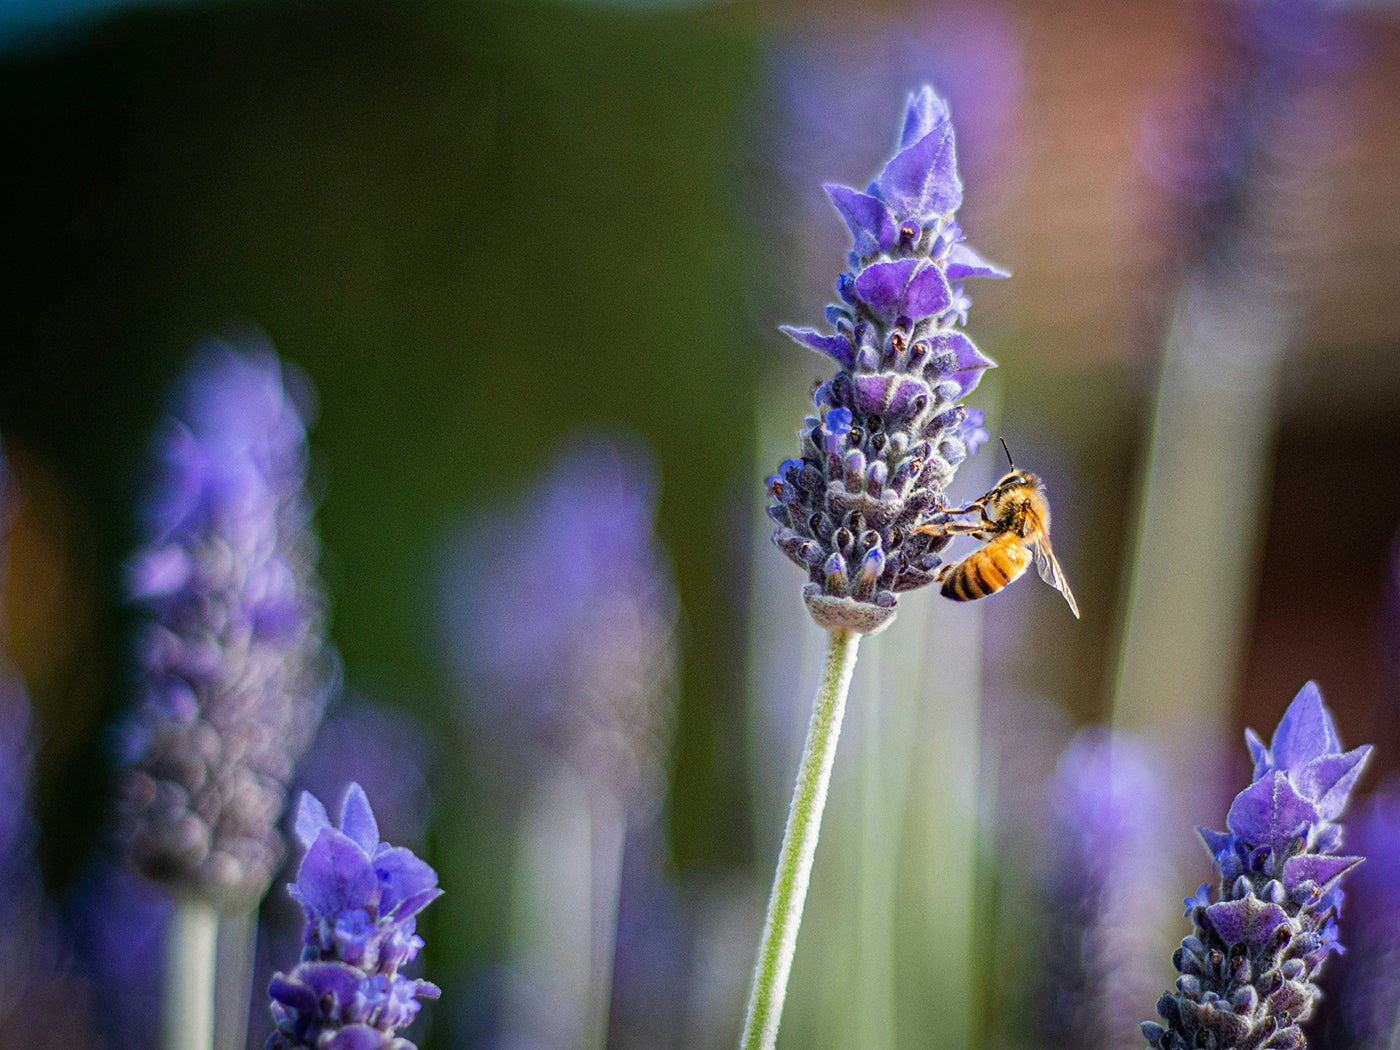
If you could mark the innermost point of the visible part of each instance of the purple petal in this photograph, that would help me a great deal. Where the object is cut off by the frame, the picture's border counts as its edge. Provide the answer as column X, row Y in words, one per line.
column 872, row 226
column 1200, row 899
column 289, row 991
column 1316, row 868
column 1305, row 732
column 336, row 875
column 311, row 819
column 872, row 391
column 923, row 112
column 835, row 346
column 160, row 572
column 1328, row 780
column 921, row 180
column 881, row 285
column 1215, row 841
column 1249, row 922
column 357, row 819
column 403, row 876
column 358, row 1037
column 972, row 431
column 838, row 422
column 1270, row 813
column 415, row 903
column 904, row 394
column 963, row 262
column 968, row 357
column 1258, row 751
column 311, row 982
column 927, row 293
column 890, row 392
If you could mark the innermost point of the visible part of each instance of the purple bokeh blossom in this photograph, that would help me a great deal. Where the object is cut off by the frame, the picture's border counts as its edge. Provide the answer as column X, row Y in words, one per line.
column 570, row 654
column 1098, row 967
column 233, row 667
column 387, row 751
column 1363, row 986
column 43, row 999
column 361, row 898
column 890, row 428
column 1240, row 122
column 1248, row 970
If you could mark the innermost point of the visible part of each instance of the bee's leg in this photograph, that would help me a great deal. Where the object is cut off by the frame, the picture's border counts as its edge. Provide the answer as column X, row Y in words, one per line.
column 951, row 528
column 977, row 505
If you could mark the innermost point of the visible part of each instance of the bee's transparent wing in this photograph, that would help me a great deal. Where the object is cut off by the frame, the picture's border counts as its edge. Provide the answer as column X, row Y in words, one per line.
column 1049, row 568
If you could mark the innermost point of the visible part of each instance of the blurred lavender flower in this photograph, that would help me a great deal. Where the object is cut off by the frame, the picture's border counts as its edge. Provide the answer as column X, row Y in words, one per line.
column 361, row 897
column 20, row 889
column 118, row 923
column 1224, row 139
column 234, row 670
column 573, row 656
column 570, row 661
column 1247, row 971
column 386, row 751
column 890, row 430
column 1364, row 985
column 653, row 953
column 1104, row 802
column 43, row 1001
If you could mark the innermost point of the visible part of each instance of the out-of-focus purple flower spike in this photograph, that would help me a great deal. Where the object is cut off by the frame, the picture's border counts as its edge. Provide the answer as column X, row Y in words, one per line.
column 1364, row 987
column 1104, row 808
column 861, row 491
column 572, row 657
column 1249, row 968
column 233, row 667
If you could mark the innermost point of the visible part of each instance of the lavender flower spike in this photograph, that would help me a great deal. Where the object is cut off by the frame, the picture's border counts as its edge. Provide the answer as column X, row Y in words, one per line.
column 1102, row 820
column 890, row 428
column 361, row 898
column 1248, row 970
column 233, row 669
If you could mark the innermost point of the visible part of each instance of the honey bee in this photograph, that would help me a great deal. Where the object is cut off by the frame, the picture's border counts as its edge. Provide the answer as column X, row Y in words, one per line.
column 1014, row 528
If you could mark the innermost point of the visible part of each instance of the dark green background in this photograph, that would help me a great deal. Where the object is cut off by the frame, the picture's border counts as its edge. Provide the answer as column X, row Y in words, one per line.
column 477, row 228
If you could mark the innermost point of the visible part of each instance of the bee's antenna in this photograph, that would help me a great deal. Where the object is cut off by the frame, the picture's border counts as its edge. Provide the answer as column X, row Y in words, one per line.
column 1007, row 451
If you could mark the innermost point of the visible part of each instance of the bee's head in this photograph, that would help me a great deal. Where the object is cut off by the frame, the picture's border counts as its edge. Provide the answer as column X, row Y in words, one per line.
column 1018, row 479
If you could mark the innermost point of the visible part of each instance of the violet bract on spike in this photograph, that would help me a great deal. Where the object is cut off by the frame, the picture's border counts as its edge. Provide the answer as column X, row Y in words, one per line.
column 361, row 897
column 890, row 428
column 233, row 669
column 1248, row 969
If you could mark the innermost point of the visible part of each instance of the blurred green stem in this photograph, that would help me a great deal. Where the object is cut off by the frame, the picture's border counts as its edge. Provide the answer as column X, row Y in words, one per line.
column 191, row 942
column 237, row 947
column 779, row 939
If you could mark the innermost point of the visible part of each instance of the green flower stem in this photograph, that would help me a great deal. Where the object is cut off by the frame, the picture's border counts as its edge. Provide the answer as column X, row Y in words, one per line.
column 779, row 940
column 191, row 944
column 234, row 959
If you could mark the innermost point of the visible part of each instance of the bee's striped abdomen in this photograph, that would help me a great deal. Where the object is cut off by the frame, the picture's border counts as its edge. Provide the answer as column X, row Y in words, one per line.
column 987, row 570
